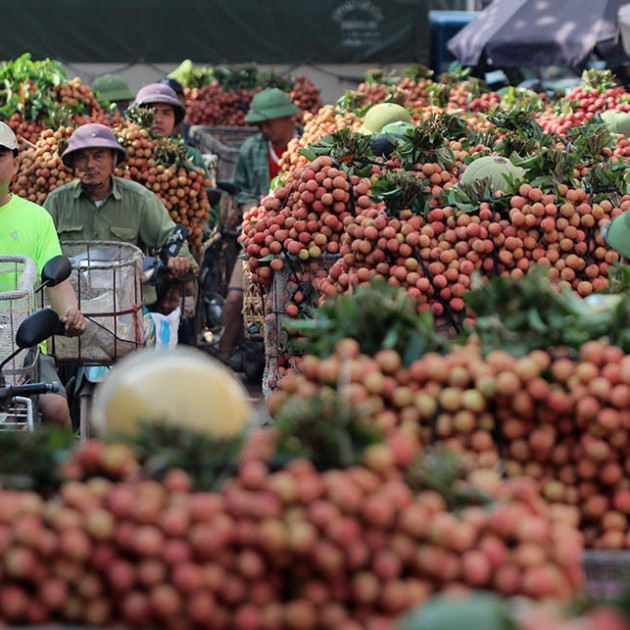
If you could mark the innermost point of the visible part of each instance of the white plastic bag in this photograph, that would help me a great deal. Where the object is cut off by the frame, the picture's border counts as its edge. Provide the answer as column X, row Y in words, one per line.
column 161, row 330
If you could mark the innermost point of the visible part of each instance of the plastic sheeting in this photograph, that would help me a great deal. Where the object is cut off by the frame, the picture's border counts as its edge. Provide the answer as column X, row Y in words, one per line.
column 516, row 33
column 623, row 20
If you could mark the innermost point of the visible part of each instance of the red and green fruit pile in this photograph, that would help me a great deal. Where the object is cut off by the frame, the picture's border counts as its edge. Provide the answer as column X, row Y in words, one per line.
column 317, row 125
column 287, row 547
column 37, row 94
column 304, row 217
column 560, row 418
column 221, row 96
column 212, row 105
column 599, row 93
column 160, row 165
column 442, row 210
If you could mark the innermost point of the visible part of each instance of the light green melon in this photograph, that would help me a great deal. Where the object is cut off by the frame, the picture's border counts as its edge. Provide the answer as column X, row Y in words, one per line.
column 477, row 611
column 497, row 168
column 617, row 121
column 400, row 127
column 382, row 114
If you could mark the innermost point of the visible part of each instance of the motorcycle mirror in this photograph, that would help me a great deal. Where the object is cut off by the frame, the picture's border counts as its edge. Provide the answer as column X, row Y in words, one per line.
column 37, row 328
column 55, row 271
column 174, row 242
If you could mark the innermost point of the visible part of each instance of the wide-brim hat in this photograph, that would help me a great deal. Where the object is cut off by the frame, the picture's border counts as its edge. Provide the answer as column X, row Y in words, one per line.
column 8, row 140
column 270, row 104
column 92, row 136
column 160, row 93
column 111, row 87
column 617, row 234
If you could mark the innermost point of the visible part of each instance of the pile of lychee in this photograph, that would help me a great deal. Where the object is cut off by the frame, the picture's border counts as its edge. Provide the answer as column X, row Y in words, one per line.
column 560, row 420
column 278, row 547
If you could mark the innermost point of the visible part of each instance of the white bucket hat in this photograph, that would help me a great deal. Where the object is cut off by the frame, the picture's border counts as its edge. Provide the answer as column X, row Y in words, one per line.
column 7, row 137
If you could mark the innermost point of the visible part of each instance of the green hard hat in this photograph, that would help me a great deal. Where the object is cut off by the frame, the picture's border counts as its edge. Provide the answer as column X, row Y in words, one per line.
column 112, row 88
column 382, row 114
column 616, row 233
column 269, row 104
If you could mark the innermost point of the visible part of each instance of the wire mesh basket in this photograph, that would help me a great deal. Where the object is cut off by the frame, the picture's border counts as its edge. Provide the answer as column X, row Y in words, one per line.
column 253, row 307
column 606, row 573
column 107, row 279
column 19, row 416
column 295, row 277
column 18, row 275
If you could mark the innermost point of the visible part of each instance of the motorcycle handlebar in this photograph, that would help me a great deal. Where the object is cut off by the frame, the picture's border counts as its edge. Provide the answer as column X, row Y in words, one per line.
column 30, row 389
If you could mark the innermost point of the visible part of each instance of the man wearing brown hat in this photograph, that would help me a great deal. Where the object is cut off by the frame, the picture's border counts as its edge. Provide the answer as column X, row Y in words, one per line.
column 26, row 229
column 102, row 207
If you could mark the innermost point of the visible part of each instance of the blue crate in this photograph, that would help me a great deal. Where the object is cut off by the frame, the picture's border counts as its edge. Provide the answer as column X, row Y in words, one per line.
column 443, row 25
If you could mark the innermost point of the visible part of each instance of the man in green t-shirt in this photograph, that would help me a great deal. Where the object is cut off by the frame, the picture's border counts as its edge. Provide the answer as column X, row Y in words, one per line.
column 26, row 229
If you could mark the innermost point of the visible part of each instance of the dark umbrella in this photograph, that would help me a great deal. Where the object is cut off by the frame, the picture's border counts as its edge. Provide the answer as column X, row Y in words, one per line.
column 540, row 33
column 623, row 19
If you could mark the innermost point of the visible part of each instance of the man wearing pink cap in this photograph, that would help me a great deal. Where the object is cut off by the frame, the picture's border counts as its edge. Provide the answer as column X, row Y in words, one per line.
column 168, row 112
column 26, row 229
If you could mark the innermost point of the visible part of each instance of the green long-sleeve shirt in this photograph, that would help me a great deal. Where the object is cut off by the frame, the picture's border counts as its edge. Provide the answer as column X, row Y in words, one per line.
column 196, row 158
column 130, row 213
column 251, row 173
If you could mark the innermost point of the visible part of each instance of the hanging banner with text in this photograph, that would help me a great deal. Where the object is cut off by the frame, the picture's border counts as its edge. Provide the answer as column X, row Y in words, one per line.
column 241, row 31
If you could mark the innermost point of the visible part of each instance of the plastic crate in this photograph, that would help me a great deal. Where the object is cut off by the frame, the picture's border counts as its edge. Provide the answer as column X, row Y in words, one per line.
column 443, row 26
column 232, row 136
column 20, row 415
column 222, row 142
column 107, row 279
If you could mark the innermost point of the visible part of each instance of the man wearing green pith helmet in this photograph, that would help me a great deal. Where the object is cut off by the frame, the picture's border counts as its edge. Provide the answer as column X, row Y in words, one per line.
column 113, row 89
column 274, row 114
column 257, row 164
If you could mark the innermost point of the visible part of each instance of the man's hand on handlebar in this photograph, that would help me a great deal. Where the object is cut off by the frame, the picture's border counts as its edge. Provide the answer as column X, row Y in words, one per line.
column 74, row 323
column 178, row 266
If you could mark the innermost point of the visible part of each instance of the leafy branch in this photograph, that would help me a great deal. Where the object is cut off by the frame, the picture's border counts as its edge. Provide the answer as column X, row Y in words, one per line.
column 341, row 144
column 324, row 429
column 378, row 317
column 401, row 190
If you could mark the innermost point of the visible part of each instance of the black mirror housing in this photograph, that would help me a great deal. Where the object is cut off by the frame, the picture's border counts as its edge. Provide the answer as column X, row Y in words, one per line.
column 56, row 270
column 37, row 328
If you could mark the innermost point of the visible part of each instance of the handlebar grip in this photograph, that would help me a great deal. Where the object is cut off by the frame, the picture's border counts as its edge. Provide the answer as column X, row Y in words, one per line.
column 31, row 389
